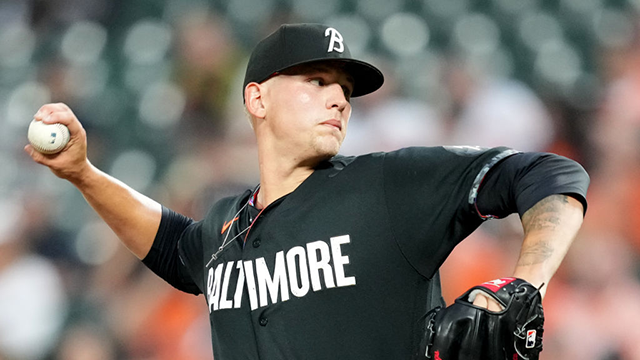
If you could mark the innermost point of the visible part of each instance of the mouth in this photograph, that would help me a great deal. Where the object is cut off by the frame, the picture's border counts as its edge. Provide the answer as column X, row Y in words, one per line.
column 333, row 123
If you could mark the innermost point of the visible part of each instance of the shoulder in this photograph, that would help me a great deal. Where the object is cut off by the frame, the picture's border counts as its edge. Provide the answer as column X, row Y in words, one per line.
column 434, row 162
column 434, row 157
column 449, row 155
column 224, row 209
column 407, row 152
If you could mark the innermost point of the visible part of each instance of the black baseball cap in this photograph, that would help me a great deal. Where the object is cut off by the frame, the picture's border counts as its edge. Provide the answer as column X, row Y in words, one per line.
column 297, row 44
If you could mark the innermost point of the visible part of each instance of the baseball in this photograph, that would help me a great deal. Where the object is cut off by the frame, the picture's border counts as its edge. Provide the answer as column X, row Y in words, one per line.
column 48, row 138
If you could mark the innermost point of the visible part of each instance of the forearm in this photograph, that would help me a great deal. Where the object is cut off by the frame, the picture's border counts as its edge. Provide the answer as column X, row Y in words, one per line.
column 133, row 217
column 550, row 227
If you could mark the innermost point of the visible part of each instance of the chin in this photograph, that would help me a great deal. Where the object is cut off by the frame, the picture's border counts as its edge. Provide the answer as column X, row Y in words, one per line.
column 327, row 147
column 329, row 151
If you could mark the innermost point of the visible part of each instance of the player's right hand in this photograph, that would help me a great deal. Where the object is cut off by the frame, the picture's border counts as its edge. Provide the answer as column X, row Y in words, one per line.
column 71, row 163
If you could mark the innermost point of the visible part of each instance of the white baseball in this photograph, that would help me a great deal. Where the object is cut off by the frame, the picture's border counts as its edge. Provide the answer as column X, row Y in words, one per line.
column 48, row 138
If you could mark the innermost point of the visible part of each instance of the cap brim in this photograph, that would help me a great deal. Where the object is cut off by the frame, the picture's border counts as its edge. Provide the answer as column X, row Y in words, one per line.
column 366, row 77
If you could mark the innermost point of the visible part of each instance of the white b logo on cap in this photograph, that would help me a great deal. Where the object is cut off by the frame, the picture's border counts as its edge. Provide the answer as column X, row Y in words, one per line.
column 335, row 42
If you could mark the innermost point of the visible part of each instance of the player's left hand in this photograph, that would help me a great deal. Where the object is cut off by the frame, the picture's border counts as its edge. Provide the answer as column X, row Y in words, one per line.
column 498, row 320
column 487, row 302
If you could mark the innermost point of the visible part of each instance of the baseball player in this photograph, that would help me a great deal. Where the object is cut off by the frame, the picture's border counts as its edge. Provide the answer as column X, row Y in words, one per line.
column 333, row 257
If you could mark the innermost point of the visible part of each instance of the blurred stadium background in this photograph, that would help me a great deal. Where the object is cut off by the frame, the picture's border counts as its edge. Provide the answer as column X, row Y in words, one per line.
column 157, row 85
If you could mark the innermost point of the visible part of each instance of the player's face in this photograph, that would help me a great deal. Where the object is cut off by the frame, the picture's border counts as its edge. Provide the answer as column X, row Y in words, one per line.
column 309, row 109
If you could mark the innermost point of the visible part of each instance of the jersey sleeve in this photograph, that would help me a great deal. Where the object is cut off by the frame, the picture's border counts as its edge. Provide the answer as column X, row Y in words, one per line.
column 427, row 192
column 437, row 196
column 519, row 182
column 165, row 258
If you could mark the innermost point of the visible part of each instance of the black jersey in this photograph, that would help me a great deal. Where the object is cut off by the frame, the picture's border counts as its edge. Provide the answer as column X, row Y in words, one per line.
column 346, row 265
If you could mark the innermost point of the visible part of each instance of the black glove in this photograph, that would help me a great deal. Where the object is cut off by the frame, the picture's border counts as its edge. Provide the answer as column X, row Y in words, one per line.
column 463, row 331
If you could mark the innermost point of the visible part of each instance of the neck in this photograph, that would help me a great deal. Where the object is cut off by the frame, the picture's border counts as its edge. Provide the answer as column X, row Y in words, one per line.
column 279, row 177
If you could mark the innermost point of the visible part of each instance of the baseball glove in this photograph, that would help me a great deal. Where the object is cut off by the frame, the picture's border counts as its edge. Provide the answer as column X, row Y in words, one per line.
column 463, row 331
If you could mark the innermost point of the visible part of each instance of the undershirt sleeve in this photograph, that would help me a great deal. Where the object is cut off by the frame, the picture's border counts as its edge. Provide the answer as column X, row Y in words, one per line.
column 521, row 180
column 164, row 259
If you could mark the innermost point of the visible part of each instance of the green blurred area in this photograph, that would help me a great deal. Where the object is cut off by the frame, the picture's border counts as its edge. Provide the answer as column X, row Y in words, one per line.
column 157, row 85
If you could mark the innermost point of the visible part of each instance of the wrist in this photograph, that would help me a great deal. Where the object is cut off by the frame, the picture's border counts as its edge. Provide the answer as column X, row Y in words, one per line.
column 84, row 175
column 534, row 278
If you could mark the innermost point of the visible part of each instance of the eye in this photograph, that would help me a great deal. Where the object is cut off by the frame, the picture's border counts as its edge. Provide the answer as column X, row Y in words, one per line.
column 347, row 93
column 317, row 81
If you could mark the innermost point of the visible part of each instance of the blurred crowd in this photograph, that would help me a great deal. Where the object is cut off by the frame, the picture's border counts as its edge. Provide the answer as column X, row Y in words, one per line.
column 157, row 85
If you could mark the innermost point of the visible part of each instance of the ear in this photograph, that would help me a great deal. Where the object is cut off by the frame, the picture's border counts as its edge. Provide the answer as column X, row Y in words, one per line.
column 254, row 101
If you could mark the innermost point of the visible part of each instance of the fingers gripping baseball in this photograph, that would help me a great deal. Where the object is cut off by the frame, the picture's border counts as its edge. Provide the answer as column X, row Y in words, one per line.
column 72, row 160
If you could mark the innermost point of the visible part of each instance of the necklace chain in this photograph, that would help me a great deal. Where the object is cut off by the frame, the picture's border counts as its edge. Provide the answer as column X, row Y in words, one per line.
column 226, row 242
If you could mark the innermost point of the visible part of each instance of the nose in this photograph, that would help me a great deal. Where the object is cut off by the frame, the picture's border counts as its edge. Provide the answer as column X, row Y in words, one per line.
column 336, row 98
